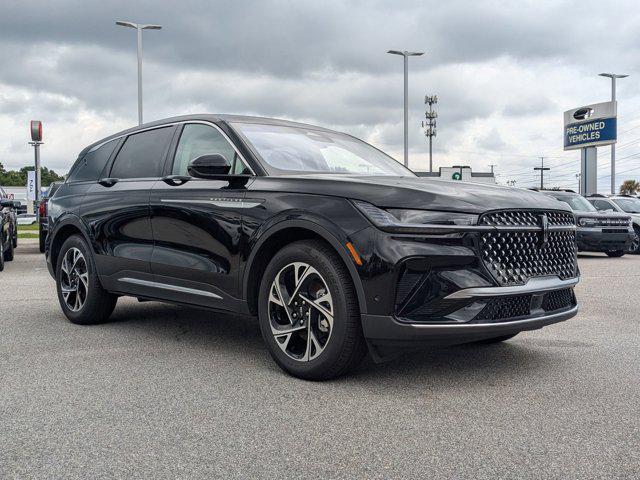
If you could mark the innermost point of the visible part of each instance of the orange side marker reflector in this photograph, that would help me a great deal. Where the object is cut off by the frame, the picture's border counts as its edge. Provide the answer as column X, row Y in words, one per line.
column 354, row 254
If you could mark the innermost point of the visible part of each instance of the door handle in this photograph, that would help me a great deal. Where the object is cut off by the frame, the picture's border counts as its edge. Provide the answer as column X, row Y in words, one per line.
column 175, row 180
column 108, row 182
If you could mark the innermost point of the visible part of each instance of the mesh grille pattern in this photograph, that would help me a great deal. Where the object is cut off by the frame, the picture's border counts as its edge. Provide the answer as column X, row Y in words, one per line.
column 514, row 257
column 526, row 217
column 558, row 299
column 499, row 308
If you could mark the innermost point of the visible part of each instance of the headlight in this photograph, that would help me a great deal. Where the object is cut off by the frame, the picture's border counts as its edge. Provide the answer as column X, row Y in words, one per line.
column 588, row 222
column 403, row 220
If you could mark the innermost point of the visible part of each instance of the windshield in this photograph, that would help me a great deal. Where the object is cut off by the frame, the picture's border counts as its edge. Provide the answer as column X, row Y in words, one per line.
column 285, row 150
column 629, row 205
column 576, row 202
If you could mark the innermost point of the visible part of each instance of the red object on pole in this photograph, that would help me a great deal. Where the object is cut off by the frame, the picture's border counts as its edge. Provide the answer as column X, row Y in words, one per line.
column 36, row 131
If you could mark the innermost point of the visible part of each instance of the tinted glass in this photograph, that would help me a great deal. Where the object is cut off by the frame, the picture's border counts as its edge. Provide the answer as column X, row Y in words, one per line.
column 629, row 205
column 576, row 202
column 286, row 150
column 197, row 140
column 142, row 154
column 90, row 167
column 602, row 205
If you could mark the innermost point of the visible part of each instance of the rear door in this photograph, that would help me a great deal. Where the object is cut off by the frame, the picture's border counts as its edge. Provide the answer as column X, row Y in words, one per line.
column 197, row 224
column 116, row 209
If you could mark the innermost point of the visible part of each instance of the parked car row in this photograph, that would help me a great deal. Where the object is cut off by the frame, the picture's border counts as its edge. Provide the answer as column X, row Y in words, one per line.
column 8, row 228
column 599, row 230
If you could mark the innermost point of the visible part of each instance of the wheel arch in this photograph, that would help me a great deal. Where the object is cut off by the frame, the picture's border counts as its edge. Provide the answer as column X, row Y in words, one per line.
column 285, row 233
column 64, row 228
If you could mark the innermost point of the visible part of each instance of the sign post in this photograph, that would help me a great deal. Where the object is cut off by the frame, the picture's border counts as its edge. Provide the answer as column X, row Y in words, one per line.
column 586, row 128
column 36, row 141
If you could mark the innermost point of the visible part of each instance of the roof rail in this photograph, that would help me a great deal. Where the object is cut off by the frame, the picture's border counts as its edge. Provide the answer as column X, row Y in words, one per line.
column 597, row 195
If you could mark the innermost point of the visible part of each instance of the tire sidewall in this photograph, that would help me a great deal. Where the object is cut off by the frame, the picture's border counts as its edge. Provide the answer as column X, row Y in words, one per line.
column 301, row 252
column 80, row 244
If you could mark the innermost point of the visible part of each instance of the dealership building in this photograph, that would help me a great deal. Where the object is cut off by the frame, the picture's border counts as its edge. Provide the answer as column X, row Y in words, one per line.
column 460, row 173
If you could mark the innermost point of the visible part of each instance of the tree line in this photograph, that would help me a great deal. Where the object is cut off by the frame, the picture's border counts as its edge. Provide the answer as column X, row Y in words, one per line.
column 18, row 178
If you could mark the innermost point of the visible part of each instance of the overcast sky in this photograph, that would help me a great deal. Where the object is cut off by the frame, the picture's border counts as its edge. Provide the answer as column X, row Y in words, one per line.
column 503, row 71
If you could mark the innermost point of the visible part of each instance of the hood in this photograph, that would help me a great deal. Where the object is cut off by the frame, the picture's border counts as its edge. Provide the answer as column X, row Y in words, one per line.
column 411, row 192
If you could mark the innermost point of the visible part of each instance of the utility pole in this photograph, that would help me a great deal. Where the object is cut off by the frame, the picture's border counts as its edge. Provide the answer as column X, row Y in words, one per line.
column 430, row 125
column 613, row 77
column 542, row 169
column 406, row 56
column 579, row 183
column 139, row 27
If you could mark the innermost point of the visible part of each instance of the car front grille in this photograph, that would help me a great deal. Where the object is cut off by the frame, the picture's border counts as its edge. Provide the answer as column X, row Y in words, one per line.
column 513, row 256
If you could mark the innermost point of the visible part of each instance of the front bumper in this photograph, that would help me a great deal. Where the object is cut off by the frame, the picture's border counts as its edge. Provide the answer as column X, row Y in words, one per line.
column 598, row 239
column 392, row 331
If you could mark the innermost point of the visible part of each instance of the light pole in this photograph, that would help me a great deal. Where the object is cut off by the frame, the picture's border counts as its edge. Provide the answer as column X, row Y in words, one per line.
column 139, row 27
column 430, row 125
column 613, row 77
column 406, row 56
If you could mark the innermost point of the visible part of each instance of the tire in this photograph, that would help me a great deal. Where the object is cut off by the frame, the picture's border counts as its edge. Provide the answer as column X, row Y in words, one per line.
column 96, row 304
column 489, row 341
column 616, row 253
column 338, row 344
column 1, row 251
column 634, row 249
column 8, row 253
column 42, row 236
column 15, row 238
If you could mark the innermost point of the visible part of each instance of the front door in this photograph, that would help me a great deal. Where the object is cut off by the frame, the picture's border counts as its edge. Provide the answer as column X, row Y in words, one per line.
column 196, row 224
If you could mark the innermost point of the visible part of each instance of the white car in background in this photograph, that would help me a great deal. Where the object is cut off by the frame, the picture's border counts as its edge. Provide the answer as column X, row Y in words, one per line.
column 623, row 204
column 27, row 219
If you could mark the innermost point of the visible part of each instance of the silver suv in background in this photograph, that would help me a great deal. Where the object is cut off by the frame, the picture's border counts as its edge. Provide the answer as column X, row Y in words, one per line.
column 623, row 204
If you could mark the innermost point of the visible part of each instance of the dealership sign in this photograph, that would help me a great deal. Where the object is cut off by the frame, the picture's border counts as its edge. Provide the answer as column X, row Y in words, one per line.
column 590, row 126
column 31, row 185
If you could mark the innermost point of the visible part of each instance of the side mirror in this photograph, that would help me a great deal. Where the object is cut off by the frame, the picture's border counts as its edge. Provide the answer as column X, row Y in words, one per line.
column 209, row 166
column 6, row 203
column 215, row 167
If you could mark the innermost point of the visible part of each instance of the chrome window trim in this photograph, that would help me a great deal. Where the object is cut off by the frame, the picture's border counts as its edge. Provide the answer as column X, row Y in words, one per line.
column 173, row 124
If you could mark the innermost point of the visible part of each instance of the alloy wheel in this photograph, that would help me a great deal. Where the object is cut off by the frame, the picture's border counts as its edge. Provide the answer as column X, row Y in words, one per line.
column 74, row 279
column 635, row 244
column 300, row 311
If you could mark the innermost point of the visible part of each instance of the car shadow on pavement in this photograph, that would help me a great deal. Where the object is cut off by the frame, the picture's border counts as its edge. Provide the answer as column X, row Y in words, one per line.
column 238, row 338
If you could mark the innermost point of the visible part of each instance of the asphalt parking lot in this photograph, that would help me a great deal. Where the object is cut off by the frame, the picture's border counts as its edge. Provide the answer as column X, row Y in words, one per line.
column 169, row 392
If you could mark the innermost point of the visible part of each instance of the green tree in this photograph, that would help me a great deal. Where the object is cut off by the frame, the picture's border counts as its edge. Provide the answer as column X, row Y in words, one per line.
column 630, row 187
column 13, row 178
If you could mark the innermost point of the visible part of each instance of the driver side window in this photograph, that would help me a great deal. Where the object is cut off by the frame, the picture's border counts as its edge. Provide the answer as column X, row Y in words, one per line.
column 198, row 139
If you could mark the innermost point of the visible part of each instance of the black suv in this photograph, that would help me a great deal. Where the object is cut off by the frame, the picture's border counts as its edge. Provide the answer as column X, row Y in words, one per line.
column 608, row 232
column 331, row 243
column 8, row 230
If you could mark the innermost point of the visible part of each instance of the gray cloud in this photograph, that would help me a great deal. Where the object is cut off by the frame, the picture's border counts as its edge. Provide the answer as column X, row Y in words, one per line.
column 493, row 63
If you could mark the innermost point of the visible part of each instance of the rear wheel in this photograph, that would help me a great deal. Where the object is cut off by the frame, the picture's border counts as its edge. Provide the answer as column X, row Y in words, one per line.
column 42, row 235
column 616, row 253
column 308, row 312
column 82, row 298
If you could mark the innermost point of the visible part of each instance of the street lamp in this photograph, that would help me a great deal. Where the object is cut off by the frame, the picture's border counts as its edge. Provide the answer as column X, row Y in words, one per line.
column 406, row 56
column 139, row 27
column 613, row 77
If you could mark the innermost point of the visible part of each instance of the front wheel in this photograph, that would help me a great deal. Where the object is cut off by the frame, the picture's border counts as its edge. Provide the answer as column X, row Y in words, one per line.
column 82, row 298
column 616, row 253
column 308, row 312
column 1, row 251
column 8, row 252
column 634, row 248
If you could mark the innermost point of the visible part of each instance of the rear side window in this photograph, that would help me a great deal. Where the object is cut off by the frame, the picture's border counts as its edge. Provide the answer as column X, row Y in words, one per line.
column 91, row 165
column 142, row 155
